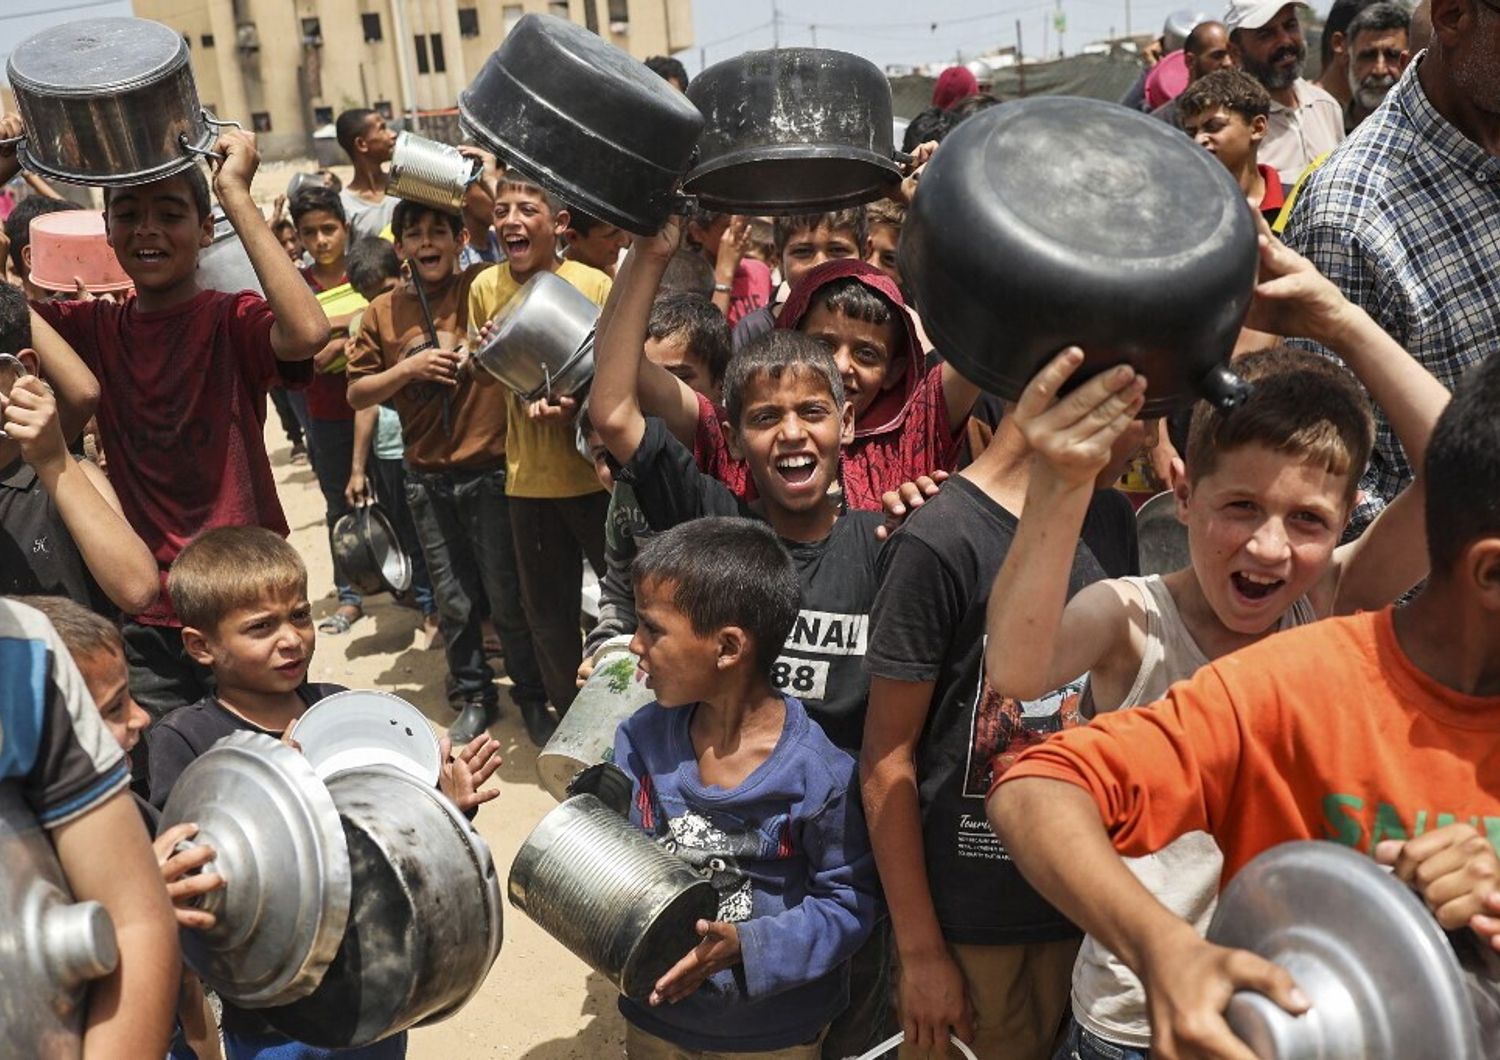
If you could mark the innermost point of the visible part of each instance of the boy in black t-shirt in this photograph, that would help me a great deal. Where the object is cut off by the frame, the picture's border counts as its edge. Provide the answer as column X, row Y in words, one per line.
column 981, row 954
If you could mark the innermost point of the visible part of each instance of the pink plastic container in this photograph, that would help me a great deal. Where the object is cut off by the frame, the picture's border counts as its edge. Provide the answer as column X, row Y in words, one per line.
column 71, row 243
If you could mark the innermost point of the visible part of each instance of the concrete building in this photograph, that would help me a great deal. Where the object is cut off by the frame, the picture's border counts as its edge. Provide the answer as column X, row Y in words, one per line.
column 287, row 67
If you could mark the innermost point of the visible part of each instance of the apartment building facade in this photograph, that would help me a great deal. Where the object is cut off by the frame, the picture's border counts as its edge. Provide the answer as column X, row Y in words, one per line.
column 286, row 68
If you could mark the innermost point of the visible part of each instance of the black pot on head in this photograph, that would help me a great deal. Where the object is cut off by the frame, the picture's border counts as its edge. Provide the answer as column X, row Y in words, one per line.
column 1055, row 222
column 586, row 121
column 792, row 130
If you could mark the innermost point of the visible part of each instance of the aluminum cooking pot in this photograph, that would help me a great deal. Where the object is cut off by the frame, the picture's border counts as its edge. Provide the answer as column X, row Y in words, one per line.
column 367, row 550
column 1056, row 221
column 585, row 120
column 50, row 946
column 224, row 265
column 425, row 926
column 1383, row 981
column 793, row 130
column 1161, row 538
column 602, row 888
column 586, row 735
column 543, row 341
column 431, row 173
column 109, row 102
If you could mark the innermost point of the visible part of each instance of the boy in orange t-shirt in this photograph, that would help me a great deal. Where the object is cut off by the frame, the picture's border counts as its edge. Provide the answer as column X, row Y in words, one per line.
column 1368, row 730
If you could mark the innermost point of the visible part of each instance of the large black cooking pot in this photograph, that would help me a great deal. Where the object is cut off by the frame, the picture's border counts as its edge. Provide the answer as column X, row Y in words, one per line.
column 585, row 120
column 1054, row 222
column 792, row 130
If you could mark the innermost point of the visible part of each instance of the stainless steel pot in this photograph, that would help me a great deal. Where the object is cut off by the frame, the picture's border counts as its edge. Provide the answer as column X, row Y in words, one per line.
column 425, row 925
column 586, row 735
column 224, row 265
column 1383, row 982
column 109, row 102
column 543, row 341
column 285, row 862
column 1161, row 538
column 367, row 550
column 50, row 946
column 602, row 888
column 430, row 173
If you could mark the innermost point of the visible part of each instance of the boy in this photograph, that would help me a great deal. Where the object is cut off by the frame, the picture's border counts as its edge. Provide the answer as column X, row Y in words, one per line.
column 803, row 242
column 59, row 759
column 319, row 217
column 730, row 774
column 557, row 507
column 593, row 242
column 741, row 284
column 884, row 220
column 453, row 423
column 186, row 457
column 61, row 528
column 18, row 233
column 1392, row 718
column 1227, row 112
column 242, row 595
column 369, row 143
column 1268, row 489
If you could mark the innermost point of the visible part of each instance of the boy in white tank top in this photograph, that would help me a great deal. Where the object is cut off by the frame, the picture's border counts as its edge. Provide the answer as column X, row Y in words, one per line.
column 1267, row 491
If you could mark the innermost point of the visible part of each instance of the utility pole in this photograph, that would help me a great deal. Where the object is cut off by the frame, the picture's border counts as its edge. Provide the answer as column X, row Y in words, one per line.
column 1020, row 62
column 1127, row 18
column 814, row 30
column 775, row 24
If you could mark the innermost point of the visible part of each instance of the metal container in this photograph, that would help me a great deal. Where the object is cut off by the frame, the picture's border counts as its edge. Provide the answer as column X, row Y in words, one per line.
column 425, row 926
column 50, row 946
column 430, row 173
column 278, row 845
column 543, row 341
column 367, row 550
column 792, row 130
column 601, row 887
column 359, row 728
column 224, row 264
column 585, row 120
column 1161, row 538
column 109, row 102
column 1383, row 982
column 586, row 735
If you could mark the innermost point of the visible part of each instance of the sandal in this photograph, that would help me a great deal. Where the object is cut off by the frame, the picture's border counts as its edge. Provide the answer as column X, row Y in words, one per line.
column 340, row 621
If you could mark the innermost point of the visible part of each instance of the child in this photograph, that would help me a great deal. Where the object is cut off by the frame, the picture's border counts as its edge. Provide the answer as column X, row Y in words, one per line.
column 684, row 337
column 593, row 242
column 884, row 220
column 286, row 235
column 62, row 765
column 98, row 651
column 1359, row 729
column 741, row 283
column 731, row 775
column 557, row 507
column 183, row 374
column 61, row 528
column 453, row 423
column 18, row 233
column 1226, row 112
column 1269, row 488
column 803, row 242
column 319, row 217
column 369, row 143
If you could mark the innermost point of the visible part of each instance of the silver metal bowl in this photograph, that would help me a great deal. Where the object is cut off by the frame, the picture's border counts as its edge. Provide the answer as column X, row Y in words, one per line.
column 1160, row 535
column 543, row 342
column 430, row 173
column 367, row 550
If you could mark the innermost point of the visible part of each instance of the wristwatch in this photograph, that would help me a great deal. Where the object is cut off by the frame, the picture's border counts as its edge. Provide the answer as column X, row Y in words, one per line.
column 722, row 288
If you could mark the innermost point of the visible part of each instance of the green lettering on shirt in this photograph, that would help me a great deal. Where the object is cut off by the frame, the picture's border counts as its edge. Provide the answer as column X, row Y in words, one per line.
column 1388, row 825
column 1341, row 818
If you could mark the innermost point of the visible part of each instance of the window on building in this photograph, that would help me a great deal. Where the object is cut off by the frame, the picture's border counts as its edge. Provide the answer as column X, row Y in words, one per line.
column 468, row 22
column 423, row 66
column 322, row 115
column 261, row 121
column 312, row 32
column 439, row 65
column 558, row 8
column 619, row 11
column 207, row 40
column 511, row 14
column 371, row 22
column 383, row 106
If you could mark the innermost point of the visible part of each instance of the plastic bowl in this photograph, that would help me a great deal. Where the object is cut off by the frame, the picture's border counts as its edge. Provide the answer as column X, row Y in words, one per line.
column 71, row 243
column 355, row 729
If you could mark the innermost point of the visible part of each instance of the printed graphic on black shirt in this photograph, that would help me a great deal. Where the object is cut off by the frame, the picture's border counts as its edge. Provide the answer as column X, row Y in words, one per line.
column 817, row 633
column 1000, row 728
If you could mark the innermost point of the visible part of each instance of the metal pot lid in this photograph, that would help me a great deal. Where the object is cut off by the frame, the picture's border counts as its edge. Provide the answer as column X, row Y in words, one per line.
column 351, row 730
column 96, row 57
column 1383, row 981
column 281, row 850
column 1162, row 539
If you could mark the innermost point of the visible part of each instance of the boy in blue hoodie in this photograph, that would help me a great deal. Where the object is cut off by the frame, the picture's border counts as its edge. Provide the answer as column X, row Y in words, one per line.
column 733, row 777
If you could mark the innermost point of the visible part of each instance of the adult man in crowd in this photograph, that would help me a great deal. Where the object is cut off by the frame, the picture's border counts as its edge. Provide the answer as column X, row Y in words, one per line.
column 1265, row 38
column 1333, row 74
column 1377, row 53
column 1205, row 50
column 1405, row 216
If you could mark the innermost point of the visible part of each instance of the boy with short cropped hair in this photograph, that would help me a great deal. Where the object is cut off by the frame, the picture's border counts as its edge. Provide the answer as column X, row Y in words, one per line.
column 369, row 142
column 593, row 242
column 187, row 457
column 557, row 507
column 884, row 220
column 18, row 234
column 803, row 242
column 1268, row 489
column 1226, row 112
column 732, row 775
column 453, row 421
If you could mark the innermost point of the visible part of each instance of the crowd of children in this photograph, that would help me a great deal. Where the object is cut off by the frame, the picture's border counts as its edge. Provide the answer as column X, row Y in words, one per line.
column 951, row 763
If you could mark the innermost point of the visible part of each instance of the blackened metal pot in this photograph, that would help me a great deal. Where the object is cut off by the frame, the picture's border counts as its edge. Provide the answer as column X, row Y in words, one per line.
column 792, row 130
column 369, row 553
column 585, row 120
column 1056, row 221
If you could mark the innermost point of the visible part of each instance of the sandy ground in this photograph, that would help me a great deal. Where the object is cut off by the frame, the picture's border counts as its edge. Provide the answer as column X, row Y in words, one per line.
column 540, row 1002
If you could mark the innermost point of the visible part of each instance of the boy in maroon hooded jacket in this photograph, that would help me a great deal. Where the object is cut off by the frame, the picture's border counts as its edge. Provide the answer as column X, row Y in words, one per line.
column 908, row 419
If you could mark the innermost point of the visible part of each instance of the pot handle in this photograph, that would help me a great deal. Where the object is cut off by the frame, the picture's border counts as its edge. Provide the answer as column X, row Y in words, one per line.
column 901, row 158
column 1222, row 388
column 213, row 123
column 900, row 1036
column 14, row 141
column 213, row 901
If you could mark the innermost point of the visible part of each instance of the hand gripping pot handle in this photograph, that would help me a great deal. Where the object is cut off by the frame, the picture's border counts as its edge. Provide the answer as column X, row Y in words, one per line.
column 900, row 1036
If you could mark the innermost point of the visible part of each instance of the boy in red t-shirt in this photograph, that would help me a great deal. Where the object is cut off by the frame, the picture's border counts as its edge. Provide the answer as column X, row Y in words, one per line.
column 183, row 376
